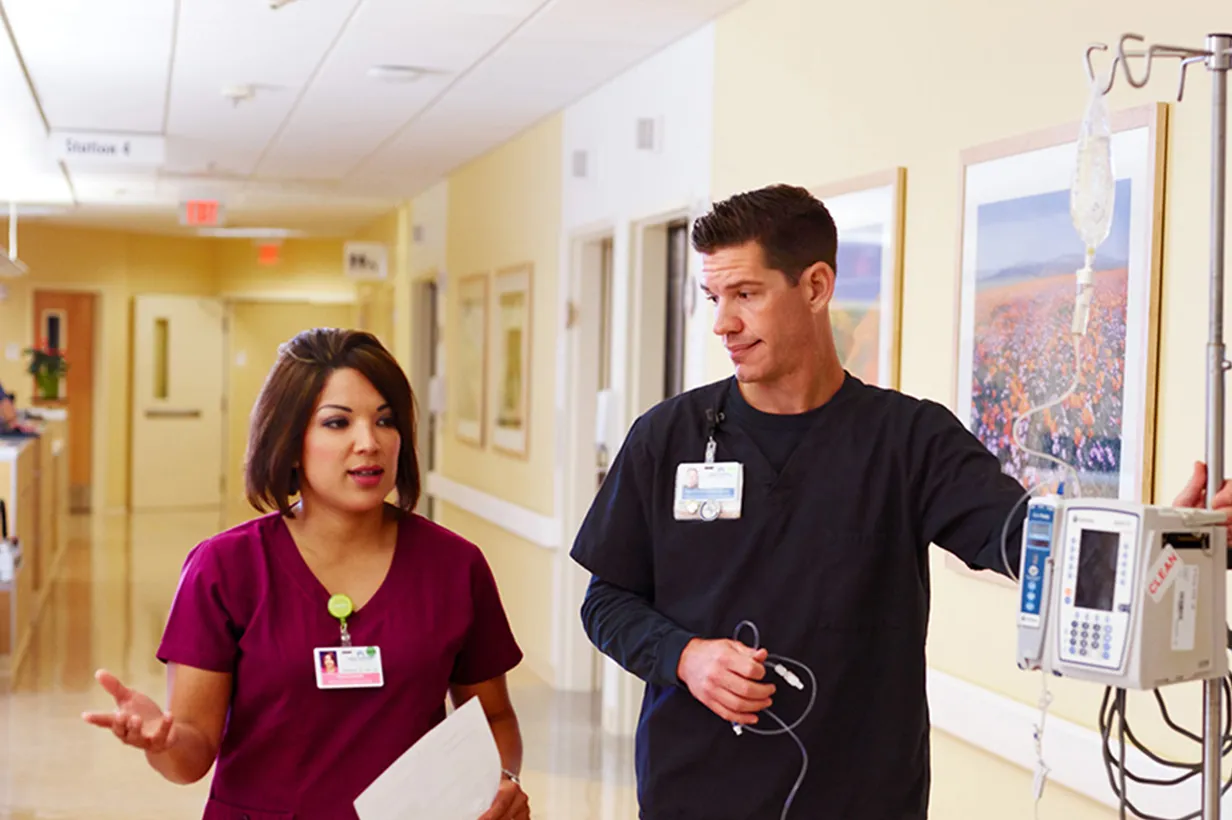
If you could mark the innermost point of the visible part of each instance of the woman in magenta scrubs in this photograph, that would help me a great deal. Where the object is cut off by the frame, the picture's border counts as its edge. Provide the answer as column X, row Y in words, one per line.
column 307, row 649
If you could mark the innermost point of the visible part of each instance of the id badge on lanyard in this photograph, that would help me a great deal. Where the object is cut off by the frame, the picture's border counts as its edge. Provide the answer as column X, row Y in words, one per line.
column 346, row 666
column 708, row 491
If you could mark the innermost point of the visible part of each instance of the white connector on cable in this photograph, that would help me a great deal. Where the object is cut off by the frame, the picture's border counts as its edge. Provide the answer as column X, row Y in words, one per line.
column 789, row 676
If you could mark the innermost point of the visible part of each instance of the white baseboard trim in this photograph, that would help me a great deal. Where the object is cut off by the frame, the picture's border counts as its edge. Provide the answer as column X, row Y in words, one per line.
column 526, row 524
column 1004, row 727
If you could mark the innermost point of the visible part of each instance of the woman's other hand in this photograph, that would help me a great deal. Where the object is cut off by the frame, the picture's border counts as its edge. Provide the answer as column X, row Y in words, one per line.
column 511, row 803
column 137, row 720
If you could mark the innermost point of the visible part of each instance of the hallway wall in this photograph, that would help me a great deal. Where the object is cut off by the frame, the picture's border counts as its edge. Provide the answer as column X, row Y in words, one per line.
column 119, row 266
column 504, row 211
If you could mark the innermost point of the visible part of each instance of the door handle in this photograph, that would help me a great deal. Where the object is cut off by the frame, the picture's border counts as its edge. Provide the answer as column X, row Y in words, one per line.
column 156, row 413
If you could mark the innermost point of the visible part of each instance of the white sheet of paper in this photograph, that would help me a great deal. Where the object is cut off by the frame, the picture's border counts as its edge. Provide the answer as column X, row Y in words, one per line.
column 452, row 773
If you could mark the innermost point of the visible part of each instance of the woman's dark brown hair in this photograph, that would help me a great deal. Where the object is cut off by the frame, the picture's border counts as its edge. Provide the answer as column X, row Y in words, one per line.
column 287, row 400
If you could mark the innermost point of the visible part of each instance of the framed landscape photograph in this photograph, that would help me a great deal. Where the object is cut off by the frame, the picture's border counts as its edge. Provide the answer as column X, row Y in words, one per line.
column 866, row 311
column 1020, row 253
column 471, row 367
column 511, row 339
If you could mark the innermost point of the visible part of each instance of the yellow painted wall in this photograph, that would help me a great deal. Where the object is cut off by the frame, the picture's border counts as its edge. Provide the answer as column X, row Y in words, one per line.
column 120, row 266
column 117, row 266
column 808, row 96
column 504, row 210
column 378, row 301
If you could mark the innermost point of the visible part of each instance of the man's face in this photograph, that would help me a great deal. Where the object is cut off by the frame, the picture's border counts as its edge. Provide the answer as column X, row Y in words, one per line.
column 768, row 325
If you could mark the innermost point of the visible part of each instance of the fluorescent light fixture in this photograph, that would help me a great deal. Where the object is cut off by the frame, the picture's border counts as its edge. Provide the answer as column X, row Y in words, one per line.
column 250, row 233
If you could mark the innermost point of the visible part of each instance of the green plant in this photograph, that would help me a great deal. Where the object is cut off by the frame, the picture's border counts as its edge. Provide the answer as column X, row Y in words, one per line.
column 47, row 366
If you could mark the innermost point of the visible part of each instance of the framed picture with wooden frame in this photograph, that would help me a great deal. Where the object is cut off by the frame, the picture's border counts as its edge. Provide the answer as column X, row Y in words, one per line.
column 866, row 312
column 509, row 413
column 1019, row 254
column 471, row 367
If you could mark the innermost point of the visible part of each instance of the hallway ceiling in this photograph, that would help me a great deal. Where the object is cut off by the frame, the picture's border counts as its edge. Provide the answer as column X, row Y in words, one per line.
column 319, row 145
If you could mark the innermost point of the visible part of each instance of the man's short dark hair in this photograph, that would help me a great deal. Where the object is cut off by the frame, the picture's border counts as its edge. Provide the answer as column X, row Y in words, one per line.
column 282, row 412
column 793, row 228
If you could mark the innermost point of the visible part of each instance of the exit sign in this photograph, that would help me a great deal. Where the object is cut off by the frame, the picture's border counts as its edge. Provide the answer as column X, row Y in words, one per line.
column 201, row 213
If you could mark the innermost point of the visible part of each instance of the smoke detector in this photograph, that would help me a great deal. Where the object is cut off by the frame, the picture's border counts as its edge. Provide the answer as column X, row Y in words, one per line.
column 396, row 73
column 277, row 4
column 239, row 93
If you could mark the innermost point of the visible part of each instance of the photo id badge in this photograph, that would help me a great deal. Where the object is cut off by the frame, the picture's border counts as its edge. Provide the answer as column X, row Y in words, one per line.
column 348, row 667
column 707, row 492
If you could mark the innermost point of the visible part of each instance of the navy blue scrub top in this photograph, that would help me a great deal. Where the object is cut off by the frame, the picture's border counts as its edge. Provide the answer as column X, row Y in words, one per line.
column 829, row 559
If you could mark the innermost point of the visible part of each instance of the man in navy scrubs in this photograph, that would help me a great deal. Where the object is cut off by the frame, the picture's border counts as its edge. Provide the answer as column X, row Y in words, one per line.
column 803, row 500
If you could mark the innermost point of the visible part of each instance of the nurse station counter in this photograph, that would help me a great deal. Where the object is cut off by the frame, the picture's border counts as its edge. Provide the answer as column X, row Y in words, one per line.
column 34, row 483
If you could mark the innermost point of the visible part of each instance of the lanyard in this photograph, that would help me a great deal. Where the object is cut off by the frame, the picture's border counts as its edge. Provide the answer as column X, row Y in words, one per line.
column 340, row 607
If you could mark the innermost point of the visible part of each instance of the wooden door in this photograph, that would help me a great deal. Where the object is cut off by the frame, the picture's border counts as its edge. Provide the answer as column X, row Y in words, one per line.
column 65, row 320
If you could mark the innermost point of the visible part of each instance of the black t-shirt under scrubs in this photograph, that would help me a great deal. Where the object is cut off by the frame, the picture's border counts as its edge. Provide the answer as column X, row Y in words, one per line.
column 828, row 559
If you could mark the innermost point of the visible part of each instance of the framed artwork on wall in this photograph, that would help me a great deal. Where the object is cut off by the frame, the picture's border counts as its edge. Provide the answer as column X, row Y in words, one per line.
column 511, row 340
column 866, row 311
column 471, row 367
column 1016, row 352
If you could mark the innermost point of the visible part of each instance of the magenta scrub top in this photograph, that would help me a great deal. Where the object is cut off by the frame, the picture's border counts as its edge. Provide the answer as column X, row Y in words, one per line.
column 248, row 604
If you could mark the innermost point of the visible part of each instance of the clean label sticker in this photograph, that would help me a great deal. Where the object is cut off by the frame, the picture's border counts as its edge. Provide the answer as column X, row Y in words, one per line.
column 1163, row 573
column 1185, row 609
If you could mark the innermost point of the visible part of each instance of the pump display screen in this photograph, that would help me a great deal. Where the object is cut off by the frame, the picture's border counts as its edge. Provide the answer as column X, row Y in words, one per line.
column 1097, row 569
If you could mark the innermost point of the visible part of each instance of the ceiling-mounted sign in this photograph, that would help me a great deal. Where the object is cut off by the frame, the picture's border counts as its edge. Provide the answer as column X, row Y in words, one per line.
column 101, row 148
column 365, row 260
column 203, row 213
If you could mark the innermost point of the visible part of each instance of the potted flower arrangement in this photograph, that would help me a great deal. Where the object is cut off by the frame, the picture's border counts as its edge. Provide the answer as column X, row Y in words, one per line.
column 47, row 366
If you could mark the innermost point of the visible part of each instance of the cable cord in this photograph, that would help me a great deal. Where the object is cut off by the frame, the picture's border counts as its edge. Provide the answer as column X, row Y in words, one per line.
column 1117, row 766
column 776, row 662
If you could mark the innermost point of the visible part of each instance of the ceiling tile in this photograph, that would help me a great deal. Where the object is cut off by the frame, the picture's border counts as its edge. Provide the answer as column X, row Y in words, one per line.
column 97, row 65
column 28, row 173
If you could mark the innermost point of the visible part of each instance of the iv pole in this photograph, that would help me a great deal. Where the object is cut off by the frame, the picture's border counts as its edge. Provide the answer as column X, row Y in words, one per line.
column 1218, row 59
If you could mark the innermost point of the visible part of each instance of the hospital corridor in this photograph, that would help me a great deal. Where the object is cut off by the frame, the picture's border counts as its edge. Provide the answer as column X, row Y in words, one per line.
column 614, row 410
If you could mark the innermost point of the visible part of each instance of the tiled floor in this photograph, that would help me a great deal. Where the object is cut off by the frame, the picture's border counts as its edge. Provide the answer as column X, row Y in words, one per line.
column 106, row 609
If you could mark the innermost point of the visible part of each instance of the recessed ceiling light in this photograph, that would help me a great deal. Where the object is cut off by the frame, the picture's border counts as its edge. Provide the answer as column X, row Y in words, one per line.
column 396, row 73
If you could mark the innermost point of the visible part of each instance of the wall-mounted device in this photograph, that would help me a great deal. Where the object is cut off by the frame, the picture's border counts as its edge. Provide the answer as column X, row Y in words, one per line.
column 1128, row 595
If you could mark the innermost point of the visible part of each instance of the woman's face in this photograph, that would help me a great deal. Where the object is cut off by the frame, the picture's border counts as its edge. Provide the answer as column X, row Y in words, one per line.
column 351, row 446
column 329, row 664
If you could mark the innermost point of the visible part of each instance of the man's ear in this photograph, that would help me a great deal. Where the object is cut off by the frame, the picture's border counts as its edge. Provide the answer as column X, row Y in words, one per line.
column 818, row 281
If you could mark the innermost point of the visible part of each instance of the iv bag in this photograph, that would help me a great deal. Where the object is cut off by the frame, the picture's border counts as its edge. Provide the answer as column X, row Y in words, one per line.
column 1093, row 188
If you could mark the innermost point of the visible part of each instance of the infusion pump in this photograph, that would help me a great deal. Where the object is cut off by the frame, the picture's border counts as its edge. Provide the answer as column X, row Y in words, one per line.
column 1124, row 594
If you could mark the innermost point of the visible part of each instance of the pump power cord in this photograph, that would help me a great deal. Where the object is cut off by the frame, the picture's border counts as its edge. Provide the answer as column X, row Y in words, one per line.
column 776, row 663
column 1117, row 766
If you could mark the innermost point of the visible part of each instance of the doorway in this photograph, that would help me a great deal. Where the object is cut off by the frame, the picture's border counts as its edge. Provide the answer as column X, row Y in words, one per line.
column 425, row 380
column 675, row 321
column 65, row 321
column 177, row 448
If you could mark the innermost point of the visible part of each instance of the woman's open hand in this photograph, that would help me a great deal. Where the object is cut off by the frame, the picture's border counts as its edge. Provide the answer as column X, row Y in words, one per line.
column 511, row 803
column 137, row 720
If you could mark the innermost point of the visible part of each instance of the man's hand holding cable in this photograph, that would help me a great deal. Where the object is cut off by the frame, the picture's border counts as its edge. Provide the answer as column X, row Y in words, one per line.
column 724, row 675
